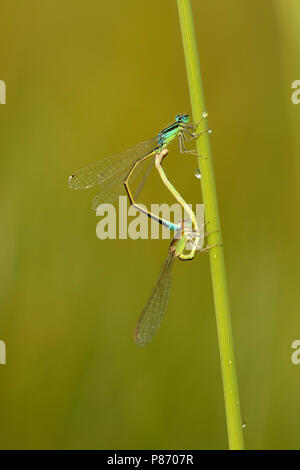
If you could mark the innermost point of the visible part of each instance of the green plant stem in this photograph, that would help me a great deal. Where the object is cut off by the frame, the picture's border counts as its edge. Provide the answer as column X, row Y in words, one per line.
column 216, row 255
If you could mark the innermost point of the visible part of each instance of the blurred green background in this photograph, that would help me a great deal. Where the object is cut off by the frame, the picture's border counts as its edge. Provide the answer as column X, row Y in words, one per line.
column 86, row 79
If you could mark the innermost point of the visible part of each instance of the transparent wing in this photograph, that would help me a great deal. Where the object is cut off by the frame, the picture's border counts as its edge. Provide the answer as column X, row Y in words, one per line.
column 144, row 179
column 156, row 306
column 105, row 169
column 109, row 172
column 114, row 187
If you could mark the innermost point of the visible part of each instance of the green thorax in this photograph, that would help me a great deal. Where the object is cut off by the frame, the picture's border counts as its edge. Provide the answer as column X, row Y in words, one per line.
column 171, row 132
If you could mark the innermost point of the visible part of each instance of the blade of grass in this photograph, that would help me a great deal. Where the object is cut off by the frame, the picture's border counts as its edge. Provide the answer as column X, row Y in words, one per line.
column 216, row 255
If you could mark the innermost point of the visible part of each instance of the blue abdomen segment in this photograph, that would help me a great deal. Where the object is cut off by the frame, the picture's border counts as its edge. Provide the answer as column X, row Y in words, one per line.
column 170, row 225
column 173, row 227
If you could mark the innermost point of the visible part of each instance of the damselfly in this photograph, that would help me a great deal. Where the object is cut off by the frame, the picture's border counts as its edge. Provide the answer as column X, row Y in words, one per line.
column 156, row 306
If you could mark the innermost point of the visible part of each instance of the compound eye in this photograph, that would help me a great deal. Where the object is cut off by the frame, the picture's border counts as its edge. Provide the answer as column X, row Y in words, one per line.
column 178, row 117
